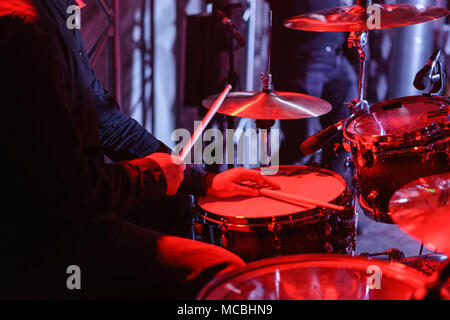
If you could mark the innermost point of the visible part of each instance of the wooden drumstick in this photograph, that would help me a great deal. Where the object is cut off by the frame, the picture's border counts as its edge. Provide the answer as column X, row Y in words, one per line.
column 206, row 120
column 300, row 200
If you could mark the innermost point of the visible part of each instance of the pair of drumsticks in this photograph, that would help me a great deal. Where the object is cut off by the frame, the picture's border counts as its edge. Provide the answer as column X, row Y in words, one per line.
column 279, row 195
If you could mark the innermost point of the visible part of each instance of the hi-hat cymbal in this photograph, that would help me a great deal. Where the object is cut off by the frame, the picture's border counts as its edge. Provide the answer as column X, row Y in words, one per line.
column 422, row 210
column 277, row 105
column 355, row 18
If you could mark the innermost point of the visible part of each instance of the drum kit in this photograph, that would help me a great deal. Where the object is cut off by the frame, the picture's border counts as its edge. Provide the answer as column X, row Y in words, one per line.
column 401, row 153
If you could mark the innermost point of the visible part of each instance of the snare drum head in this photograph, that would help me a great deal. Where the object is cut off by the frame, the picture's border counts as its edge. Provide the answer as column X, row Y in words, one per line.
column 316, row 277
column 322, row 185
column 399, row 116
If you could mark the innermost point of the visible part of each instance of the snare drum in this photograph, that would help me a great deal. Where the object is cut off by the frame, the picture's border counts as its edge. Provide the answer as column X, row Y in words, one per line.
column 316, row 277
column 396, row 142
column 260, row 227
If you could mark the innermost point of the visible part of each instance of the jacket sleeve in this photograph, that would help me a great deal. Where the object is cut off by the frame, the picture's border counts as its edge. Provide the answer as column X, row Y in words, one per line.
column 123, row 138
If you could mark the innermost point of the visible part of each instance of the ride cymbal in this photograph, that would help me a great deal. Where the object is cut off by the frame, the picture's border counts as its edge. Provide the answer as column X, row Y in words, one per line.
column 276, row 105
column 355, row 18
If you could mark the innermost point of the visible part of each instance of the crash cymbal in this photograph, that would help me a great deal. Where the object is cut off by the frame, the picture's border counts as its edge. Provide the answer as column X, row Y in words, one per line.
column 355, row 18
column 276, row 105
column 422, row 210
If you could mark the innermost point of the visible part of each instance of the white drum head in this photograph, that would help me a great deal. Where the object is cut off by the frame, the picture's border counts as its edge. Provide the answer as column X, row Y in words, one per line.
column 399, row 117
column 314, row 185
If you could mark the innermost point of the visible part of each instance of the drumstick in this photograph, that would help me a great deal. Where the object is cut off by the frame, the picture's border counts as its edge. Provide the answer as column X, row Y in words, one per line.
column 199, row 130
column 298, row 199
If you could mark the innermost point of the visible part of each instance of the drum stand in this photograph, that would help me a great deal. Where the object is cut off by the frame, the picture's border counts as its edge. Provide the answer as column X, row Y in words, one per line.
column 359, row 40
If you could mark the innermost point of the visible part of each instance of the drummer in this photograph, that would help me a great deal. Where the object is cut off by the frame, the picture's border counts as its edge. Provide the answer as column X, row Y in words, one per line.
column 69, row 207
column 312, row 63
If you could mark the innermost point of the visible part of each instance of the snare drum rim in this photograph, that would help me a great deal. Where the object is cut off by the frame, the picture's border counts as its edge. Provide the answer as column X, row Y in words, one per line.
column 399, row 270
column 289, row 220
column 404, row 138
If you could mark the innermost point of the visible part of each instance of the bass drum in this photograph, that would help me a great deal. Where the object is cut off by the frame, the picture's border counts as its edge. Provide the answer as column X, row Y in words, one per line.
column 259, row 227
column 316, row 277
column 396, row 142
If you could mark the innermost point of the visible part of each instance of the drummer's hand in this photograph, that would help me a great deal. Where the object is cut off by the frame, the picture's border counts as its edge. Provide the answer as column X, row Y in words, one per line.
column 172, row 168
column 227, row 184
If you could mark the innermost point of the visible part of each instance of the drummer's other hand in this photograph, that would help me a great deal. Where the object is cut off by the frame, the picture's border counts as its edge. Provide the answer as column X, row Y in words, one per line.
column 228, row 184
column 172, row 168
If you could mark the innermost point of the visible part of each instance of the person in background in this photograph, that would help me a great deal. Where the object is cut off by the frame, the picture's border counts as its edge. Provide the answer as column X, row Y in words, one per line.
column 312, row 63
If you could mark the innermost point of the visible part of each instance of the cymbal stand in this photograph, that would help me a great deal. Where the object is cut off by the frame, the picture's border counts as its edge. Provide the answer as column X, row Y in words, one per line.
column 267, row 77
column 264, row 126
column 360, row 40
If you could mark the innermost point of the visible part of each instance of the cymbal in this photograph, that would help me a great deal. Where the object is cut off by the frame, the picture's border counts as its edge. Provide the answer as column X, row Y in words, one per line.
column 355, row 18
column 422, row 210
column 276, row 105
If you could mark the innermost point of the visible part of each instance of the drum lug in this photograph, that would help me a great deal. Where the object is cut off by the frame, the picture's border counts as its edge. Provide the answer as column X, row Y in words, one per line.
column 368, row 158
column 349, row 211
column 374, row 200
column 349, row 163
column 274, row 228
column 223, row 235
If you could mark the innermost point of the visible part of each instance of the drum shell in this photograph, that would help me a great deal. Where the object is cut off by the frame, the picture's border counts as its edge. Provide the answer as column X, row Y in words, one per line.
column 385, row 164
column 312, row 276
column 318, row 230
column 388, row 175
column 319, row 237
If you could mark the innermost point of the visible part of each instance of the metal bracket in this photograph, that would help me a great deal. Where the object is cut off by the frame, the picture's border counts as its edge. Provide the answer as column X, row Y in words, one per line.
column 110, row 36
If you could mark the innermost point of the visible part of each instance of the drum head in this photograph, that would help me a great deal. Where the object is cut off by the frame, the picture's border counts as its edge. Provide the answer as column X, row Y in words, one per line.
column 316, row 277
column 314, row 183
column 399, row 116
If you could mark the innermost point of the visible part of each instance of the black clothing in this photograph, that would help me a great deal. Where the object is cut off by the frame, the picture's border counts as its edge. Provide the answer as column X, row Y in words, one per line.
column 301, row 42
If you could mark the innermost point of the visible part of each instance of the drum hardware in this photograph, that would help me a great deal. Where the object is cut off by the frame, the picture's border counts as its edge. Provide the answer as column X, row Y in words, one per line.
column 267, row 78
column 393, row 254
column 274, row 228
column 373, row 212
column 261, row 227
column 359, row 40
column 367, row 158
column 374, row 200
column 427, row 263
column 425, row 152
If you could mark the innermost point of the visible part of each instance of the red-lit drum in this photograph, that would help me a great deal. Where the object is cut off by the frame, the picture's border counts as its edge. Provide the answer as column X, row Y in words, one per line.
column 260, row 227
column 316, row 277
column 395, row 142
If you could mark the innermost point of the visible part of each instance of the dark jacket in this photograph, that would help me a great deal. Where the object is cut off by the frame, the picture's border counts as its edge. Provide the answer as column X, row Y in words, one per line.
column 58, row 122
